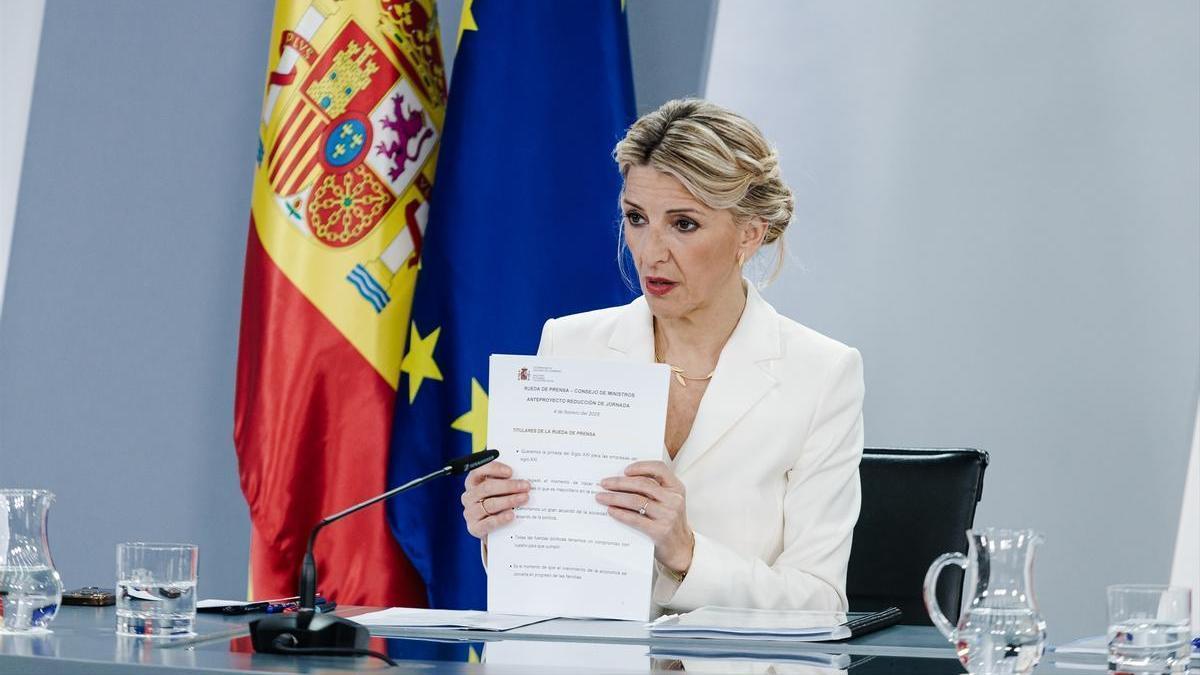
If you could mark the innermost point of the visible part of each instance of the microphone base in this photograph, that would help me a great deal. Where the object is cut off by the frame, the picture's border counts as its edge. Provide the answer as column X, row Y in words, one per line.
column 306, row 629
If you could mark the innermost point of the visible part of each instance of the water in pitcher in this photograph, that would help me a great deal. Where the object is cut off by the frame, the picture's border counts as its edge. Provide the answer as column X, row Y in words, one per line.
column 29, row 597
column 30, row 588
column 1001, row 641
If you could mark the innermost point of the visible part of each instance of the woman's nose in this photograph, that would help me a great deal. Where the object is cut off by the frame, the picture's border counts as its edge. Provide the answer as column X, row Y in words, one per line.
column 656, row 249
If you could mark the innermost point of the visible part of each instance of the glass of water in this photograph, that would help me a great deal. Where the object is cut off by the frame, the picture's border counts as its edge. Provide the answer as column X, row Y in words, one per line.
column 156, row 589
column 1149, row 629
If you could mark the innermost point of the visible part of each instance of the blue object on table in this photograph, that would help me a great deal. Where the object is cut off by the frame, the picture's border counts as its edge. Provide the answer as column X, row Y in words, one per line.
column 322, row 605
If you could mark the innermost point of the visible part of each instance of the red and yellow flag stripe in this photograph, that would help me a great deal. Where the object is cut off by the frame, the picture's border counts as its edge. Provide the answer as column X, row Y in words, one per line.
column 351, row 120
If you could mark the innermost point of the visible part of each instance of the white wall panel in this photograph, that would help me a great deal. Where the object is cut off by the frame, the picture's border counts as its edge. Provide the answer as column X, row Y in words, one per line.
column 998, row 204
column 20, row 32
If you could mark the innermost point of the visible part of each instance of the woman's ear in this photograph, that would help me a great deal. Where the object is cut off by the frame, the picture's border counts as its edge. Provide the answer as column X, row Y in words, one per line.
column 753, row 233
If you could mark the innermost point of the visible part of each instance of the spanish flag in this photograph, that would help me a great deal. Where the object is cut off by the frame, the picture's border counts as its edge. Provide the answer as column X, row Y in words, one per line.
column 348, row 141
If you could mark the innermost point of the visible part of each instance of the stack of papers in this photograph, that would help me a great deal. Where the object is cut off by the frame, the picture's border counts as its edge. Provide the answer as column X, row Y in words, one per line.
column 789, row 657
column 408, row 617
column 753, row 624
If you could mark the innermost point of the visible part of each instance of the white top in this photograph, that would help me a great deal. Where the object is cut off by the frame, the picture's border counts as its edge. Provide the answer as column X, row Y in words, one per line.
column 771, row 464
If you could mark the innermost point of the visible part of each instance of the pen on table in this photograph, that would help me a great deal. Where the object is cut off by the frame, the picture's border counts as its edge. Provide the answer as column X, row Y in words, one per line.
column 234, row 610
column 248, row 608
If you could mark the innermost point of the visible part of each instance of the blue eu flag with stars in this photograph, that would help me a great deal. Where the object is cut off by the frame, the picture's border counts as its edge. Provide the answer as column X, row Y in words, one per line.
column 522, row 227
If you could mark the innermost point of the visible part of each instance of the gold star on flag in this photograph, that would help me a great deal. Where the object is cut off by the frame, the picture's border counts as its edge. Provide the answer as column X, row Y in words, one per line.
column 418, row 362
column 474, row 421
column 466, row 22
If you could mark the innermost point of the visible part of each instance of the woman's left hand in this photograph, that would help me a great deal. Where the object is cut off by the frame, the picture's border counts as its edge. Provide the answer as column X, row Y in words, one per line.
column 651, row 499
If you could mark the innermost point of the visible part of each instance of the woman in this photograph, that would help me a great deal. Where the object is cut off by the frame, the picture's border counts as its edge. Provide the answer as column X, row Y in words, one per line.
column 756, row 498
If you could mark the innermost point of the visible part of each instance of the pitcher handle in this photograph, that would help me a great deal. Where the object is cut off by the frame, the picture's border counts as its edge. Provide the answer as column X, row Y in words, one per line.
column 930, row 592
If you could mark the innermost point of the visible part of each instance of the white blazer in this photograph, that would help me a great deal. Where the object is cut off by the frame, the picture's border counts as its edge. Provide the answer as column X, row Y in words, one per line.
column 771, row 465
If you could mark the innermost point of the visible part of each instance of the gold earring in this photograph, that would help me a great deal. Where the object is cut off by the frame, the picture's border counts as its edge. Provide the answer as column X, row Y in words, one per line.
column 741, row 258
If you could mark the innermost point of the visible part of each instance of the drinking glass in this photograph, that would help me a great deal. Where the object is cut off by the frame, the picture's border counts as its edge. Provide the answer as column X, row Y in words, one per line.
column 156, row 589
column 1149, row 628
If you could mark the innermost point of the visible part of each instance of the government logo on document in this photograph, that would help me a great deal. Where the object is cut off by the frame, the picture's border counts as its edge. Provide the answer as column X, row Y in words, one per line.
column 349, row 155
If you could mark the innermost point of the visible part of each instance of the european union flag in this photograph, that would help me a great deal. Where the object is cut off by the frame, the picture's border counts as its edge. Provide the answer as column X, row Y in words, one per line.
column 522, row 227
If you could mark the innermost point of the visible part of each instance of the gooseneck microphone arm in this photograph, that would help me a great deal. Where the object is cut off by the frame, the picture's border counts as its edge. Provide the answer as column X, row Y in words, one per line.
column 308, row 569
column 306, row 631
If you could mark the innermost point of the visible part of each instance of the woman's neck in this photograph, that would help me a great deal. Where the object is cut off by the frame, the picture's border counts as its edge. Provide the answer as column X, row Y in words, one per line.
column 704, row 331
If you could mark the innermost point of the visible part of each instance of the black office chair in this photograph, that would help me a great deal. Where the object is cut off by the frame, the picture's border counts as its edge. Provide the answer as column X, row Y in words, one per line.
column 916, row 505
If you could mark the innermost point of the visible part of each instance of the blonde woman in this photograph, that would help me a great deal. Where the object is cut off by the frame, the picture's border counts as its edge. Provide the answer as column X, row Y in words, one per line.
column 755, row 500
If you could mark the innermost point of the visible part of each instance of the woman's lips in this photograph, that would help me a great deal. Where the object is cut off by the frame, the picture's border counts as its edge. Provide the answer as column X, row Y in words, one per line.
column 659, row 286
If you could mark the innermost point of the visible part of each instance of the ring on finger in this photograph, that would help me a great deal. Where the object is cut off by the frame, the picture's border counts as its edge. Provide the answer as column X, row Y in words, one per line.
column 483, row 505
column 642, row 510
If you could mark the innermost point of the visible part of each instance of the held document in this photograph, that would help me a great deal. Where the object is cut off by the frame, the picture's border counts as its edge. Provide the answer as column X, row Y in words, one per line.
column 563, row 425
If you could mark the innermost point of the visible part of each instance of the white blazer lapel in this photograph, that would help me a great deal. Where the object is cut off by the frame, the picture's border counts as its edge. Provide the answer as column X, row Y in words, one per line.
column 742, row 375
column 740, row 380
column 633, row 335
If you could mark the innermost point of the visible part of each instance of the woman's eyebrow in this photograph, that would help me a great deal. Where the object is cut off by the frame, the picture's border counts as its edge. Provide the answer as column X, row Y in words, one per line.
column 686, row 209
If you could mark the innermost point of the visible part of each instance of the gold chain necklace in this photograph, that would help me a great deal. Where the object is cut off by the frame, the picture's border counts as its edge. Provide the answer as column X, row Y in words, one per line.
column 680, row 376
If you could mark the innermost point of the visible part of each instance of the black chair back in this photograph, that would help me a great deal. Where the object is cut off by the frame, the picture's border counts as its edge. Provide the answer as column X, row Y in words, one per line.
column 916, row 505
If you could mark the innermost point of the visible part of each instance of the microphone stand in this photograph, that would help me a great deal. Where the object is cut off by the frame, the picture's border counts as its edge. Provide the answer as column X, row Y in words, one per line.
column 308, row 632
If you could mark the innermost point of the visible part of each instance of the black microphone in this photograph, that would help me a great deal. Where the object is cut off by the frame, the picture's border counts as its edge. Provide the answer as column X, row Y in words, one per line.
column 470, row 462
column 306, row 631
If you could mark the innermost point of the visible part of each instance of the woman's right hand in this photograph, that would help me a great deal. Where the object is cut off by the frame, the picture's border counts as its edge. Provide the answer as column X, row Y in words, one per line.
column 490, row 497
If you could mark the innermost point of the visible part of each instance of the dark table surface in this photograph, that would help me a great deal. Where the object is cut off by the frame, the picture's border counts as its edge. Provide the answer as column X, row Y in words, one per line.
column 83, row 641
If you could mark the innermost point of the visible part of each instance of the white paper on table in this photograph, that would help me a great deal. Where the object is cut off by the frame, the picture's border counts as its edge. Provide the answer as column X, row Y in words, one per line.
column 411, row 617
column 563, row 425
column 215, row 604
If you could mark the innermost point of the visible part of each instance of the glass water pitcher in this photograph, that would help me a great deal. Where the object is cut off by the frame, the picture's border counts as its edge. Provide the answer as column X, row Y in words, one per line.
column 1000, row 630
column 30, row 588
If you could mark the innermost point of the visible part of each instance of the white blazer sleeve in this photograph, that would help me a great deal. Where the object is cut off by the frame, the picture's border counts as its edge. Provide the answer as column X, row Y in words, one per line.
column 546, row 344
column 821, row 506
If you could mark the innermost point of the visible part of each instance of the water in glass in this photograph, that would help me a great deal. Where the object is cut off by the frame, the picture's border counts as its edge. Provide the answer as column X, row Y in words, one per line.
column 148, row 608
column 1142, row 646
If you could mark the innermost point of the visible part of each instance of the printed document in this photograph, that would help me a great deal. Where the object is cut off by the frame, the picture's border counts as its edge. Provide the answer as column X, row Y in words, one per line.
column 563, row 425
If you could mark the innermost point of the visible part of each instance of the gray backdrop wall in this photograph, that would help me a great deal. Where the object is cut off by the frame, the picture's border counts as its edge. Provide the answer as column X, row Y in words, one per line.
column 119, row 328
column 999, row 204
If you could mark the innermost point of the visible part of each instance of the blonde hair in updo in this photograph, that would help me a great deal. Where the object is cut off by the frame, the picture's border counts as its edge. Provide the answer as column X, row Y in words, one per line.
column 719, row 156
